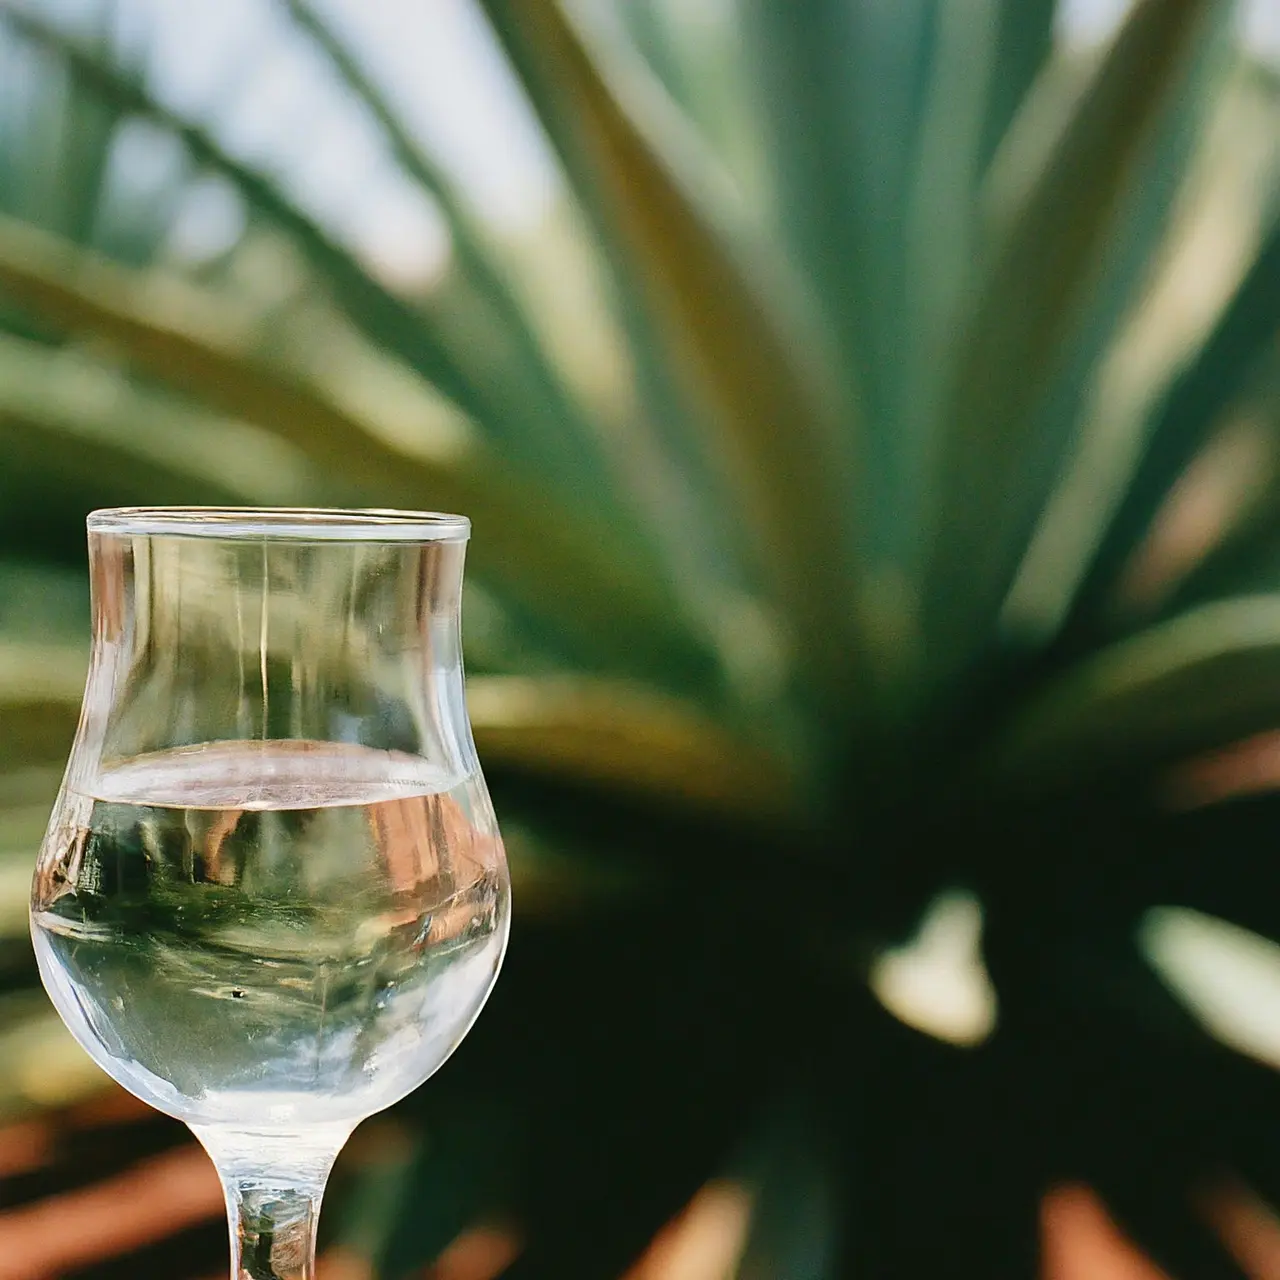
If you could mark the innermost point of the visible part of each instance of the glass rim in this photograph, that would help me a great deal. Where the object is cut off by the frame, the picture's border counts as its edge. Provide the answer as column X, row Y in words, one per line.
column 321, row 524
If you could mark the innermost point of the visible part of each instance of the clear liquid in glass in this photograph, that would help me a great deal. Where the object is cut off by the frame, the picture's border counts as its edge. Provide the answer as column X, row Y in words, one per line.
column 271, row 934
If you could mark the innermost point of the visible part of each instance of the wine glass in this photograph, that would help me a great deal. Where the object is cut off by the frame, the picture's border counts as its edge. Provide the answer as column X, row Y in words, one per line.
column 272, row 898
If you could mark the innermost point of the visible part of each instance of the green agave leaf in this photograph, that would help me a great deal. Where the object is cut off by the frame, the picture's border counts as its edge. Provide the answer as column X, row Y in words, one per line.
column 373, row 1179
column 86, row 127
column 21, row 831
column 1205, row 961
column 1120, row 396
column 56, row 142
column 531, row 395
column 651, row 426
column 696, row 57
column 131, row 446
column 1134, row 259
column 40, row 1064
column 839, row 98
column 628, row 738
column 22, row 826
column 472, row 344
column 387, row 319
column 1189, row 409
column 1056, row 202
column 556, row 564
column 553, row 879
column 467, row 239
column 794, row 1220
column 976, row 71
column 41, row 603
column 797, row 74
column 1024, row 43
column 1237, row 552
column 417, row 1189
column 1199, row 680
column 187, row 338
column 941, row 228
column 648, row 24
column 52, row 673
column 41, row 685
column 772, row 417
column 37, row 95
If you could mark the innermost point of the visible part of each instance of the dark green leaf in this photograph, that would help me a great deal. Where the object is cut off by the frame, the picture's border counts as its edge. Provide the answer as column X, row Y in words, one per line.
column 840, row 95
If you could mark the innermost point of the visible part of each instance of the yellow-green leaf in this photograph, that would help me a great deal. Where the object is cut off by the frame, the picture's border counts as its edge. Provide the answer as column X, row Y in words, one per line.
column 626, row 737
column 41, row 686
column 1203, row 679
column 40, row 1064
column 135, row 446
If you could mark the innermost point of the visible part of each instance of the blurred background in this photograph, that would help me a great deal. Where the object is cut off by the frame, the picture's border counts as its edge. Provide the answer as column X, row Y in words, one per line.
column 869, row 413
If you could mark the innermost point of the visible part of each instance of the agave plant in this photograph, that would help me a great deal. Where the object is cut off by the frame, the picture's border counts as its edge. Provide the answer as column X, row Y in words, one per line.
column 874, row 461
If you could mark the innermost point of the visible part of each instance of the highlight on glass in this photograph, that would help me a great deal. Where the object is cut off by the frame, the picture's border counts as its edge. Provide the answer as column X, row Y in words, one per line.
column 272, row 897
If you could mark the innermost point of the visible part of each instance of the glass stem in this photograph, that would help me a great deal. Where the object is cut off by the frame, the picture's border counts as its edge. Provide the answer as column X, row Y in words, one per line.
column 273, row 1183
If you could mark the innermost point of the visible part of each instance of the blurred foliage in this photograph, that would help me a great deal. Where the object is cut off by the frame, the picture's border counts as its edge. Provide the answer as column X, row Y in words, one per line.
column 874, row 456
